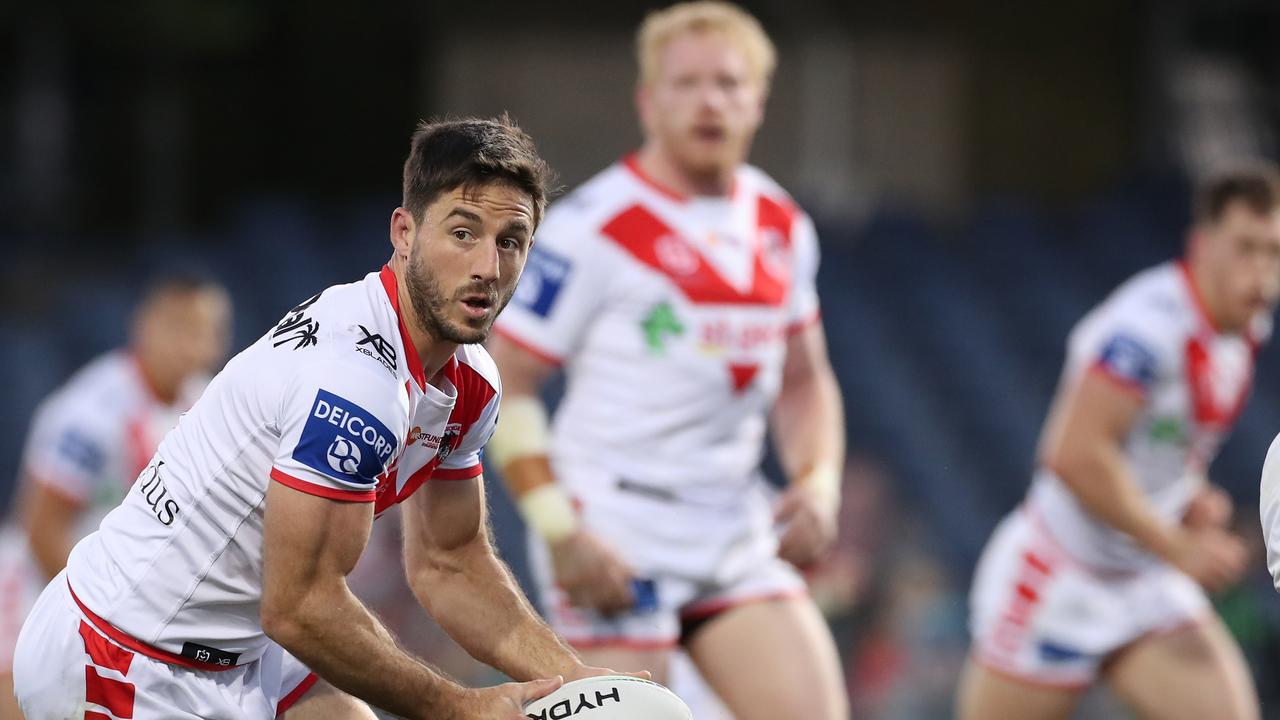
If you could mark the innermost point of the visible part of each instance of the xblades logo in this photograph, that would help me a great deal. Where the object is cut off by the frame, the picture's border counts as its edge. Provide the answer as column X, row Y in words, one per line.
column 385, row 351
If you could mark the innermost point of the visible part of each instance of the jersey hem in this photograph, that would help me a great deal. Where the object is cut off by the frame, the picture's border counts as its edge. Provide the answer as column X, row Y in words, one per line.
column 323, row 491
column 804, row 323
column 129, row 642
column 1129, row 386
column 465, row 473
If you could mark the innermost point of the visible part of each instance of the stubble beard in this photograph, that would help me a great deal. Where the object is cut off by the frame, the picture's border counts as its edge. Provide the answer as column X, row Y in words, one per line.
column 431, row 306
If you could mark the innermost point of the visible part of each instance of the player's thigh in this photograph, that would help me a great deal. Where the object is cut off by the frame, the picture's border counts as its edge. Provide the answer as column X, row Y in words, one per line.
column 985, row 694
column 8, row 703
column 772, row 659
column 325, row 702
column 631, row 659
column 1195, row 671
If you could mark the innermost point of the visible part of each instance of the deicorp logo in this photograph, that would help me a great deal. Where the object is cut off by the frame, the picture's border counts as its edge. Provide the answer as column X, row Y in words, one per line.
column 344, row 441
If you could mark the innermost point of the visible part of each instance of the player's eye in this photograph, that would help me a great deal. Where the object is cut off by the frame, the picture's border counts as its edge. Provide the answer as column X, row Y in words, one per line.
column 509, row 243
column 462, row 234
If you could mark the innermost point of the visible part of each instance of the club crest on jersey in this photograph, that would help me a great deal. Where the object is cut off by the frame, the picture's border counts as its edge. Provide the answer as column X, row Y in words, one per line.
column 676, row 255
column 344, row 441
column 544, row 275
column 448, row 440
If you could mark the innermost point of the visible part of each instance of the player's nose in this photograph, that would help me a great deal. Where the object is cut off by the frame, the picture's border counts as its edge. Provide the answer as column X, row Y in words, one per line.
column 486, row 262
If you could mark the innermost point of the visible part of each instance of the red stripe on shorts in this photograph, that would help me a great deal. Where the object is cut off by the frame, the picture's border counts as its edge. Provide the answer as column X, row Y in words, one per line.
column 102, row 653
column 114, row 695
column 91, row 715
column 296, row 694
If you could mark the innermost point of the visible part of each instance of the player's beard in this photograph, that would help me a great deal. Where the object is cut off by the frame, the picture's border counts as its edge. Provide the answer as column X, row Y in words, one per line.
column 432, row 306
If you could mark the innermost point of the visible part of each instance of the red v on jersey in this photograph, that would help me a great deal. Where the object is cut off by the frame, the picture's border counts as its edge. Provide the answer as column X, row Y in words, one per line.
column 651, row 241
column 648, row 239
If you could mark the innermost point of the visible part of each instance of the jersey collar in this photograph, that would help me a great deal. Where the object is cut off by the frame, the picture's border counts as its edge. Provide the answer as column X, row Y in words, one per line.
column 632, row 163
column 392, row 288
column 1196, row 298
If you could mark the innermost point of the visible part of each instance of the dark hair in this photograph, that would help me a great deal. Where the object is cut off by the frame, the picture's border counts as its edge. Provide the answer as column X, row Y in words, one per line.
column 166, row 284
column 448, row 154
column 1257, row 185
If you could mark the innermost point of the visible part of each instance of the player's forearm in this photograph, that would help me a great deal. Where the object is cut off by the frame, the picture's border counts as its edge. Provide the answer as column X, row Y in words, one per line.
column 808, row 425
column 342, row 642
column 474, row 597
column 50, row 546
column 1101, row 480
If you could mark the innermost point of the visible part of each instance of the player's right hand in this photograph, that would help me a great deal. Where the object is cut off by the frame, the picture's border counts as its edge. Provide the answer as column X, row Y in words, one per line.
column 592, row 574
column 503, row 702
column 1212, row 556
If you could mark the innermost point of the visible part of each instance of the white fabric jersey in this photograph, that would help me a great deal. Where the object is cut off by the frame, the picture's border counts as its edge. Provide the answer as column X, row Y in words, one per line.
column 96, row 432
column 88, row 441
column 1154, row 337
column 331, row 401
column 671, row 315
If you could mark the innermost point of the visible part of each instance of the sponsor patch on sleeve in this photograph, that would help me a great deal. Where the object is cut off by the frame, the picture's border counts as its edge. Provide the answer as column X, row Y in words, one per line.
column 544, row 275
column 1129, row 359
column 80, row 451
column 344, row 441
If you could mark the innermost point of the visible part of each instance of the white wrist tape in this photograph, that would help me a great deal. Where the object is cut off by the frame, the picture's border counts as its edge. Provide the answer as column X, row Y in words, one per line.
column 549, row 512
column 521, row 431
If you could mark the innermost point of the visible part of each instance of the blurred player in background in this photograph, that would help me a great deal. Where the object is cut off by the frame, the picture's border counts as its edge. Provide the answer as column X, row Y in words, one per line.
column 676, row 288
column 1103, row 570
column 217, row 588
column 92, row 436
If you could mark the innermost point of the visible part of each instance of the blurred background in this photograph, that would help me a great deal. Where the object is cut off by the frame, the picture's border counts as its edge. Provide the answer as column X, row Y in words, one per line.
column 981, row 174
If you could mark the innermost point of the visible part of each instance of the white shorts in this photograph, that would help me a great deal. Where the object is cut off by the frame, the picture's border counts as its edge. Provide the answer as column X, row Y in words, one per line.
column 1038, row 615
column 20, row 585
column 692, row 561
column 65, row 668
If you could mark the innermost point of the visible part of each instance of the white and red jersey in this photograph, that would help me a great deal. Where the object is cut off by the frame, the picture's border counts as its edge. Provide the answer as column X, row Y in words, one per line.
column 1154, row 337
column 671, row 316
column 95, row 433
column 331, row 401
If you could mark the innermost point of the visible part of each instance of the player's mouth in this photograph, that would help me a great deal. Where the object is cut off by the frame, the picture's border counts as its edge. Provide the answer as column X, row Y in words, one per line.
column 476, row 305
column 710, row 133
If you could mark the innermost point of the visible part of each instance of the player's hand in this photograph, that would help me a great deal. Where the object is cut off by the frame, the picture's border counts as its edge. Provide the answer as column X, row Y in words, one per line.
column 1212, row 556
column 592, row 574
column 503, row 702
column 1211, row 507
column 808, row 525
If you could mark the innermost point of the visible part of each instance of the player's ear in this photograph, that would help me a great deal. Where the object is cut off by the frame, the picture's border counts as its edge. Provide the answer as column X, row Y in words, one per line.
column 403, row 228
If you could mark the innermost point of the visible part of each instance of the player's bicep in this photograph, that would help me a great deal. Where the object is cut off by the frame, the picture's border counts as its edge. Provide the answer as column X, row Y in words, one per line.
column 440, row 519
column 806, row 355
column 309, row 543
column 1094, row 416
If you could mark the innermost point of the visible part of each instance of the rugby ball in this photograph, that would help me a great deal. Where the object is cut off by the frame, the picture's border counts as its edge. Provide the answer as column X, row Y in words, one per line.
column 609, row 697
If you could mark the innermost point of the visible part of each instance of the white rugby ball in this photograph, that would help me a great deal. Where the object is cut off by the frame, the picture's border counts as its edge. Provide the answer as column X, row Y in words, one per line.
column 609, row 697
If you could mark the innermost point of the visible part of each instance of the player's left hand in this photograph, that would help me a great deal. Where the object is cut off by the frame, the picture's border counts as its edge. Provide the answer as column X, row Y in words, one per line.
column 1211, row 507
column 808, row 525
